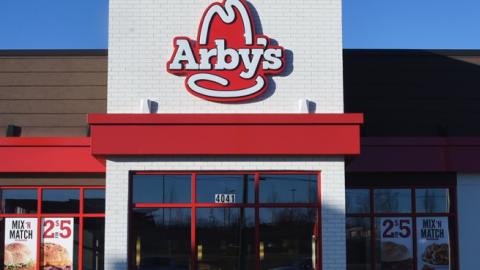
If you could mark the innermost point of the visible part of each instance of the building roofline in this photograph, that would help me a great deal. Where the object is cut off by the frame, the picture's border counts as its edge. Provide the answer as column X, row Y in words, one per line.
column 55, row 52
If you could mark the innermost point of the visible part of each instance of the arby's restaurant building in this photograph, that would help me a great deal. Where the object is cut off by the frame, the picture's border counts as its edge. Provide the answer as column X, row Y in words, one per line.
column 235, row 135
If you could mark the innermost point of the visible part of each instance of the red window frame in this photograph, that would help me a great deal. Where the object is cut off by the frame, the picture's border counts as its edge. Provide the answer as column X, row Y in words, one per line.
column 39, row 215
column 193, row 205
column 413, row 214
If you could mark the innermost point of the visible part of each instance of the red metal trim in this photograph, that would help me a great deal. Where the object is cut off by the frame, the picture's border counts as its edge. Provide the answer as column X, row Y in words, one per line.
column 182, row 119
column 39, row 227
column 319, row 230
column 162, row 205
column 80, row 234
column 53, row 215
column 221, row 172
column 217, row 205
column 52, row 187
column 65, row 155
column 193, row 226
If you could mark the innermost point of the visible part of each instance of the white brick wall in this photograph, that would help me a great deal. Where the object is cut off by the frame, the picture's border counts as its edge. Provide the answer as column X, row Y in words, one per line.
column 141, row 42
column 333, row 190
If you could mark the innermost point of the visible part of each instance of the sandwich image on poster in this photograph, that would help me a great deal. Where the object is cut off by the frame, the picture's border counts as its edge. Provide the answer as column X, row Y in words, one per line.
column 433, row 246
column 20, row 252
column 396, row 244
column 57, row 244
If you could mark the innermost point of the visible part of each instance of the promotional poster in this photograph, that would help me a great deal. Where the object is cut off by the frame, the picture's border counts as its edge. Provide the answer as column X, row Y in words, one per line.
column 433, row 248
column 57, row 243
column 20, row 243
column 396, row 243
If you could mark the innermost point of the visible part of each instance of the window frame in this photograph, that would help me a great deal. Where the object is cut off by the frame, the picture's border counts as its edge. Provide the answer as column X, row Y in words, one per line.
column 39, row 215
column 413, row 214
column 256, row 205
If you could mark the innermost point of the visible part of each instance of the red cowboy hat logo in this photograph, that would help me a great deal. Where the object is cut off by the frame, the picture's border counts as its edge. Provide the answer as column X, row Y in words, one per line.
column 228, row 62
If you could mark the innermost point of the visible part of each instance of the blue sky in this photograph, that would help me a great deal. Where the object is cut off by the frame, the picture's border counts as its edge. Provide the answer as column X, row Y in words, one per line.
column 421, row 24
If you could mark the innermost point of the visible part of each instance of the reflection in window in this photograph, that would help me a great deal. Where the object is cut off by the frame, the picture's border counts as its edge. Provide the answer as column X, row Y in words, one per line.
column 432, row 200
column 294, row 188
column 393, row 200
column 161, row 188
column 161, row 238
column 357, row 201
column 18, row 201
column 93, row 243
column 358, row 243
column 287, row 238
column 240, row 185
column 60, row 201
column 94, row 200
column 225, row 238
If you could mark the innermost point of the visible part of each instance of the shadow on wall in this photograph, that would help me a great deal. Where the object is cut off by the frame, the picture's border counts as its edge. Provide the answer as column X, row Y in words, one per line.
column 414, row 92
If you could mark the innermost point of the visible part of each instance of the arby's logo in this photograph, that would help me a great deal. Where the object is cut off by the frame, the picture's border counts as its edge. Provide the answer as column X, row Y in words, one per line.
column 228, row 62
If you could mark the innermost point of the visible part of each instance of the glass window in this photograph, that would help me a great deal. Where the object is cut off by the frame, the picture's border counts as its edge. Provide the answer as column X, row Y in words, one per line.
column 94, row 201
column 358, row 243
column 357, row 201
column 161, row 238
column 432, row 200
column 394, row 243
column 241, row 186
column 289, row 188
column 19, row 201
column 225, row 238
column 93, row 243
column 393, row 200
column 60, row 201
column 161, row 188
column 287, row 238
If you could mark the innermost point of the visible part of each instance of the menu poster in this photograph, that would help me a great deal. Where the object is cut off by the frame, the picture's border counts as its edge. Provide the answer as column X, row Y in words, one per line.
column 396, row 243
column 20, row 243
column 433, row 249
column 57, row 243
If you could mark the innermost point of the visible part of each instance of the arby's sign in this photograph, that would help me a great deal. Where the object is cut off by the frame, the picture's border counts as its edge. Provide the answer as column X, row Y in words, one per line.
column 228, row 62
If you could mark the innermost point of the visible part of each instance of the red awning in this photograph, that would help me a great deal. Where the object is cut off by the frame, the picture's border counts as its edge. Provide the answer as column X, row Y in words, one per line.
column 48, row 155
column 225, row 134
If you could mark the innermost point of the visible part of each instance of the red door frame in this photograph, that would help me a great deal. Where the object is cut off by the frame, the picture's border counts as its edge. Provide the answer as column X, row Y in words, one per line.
column 371, row 215
column 39, row 215
column 193, row 205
